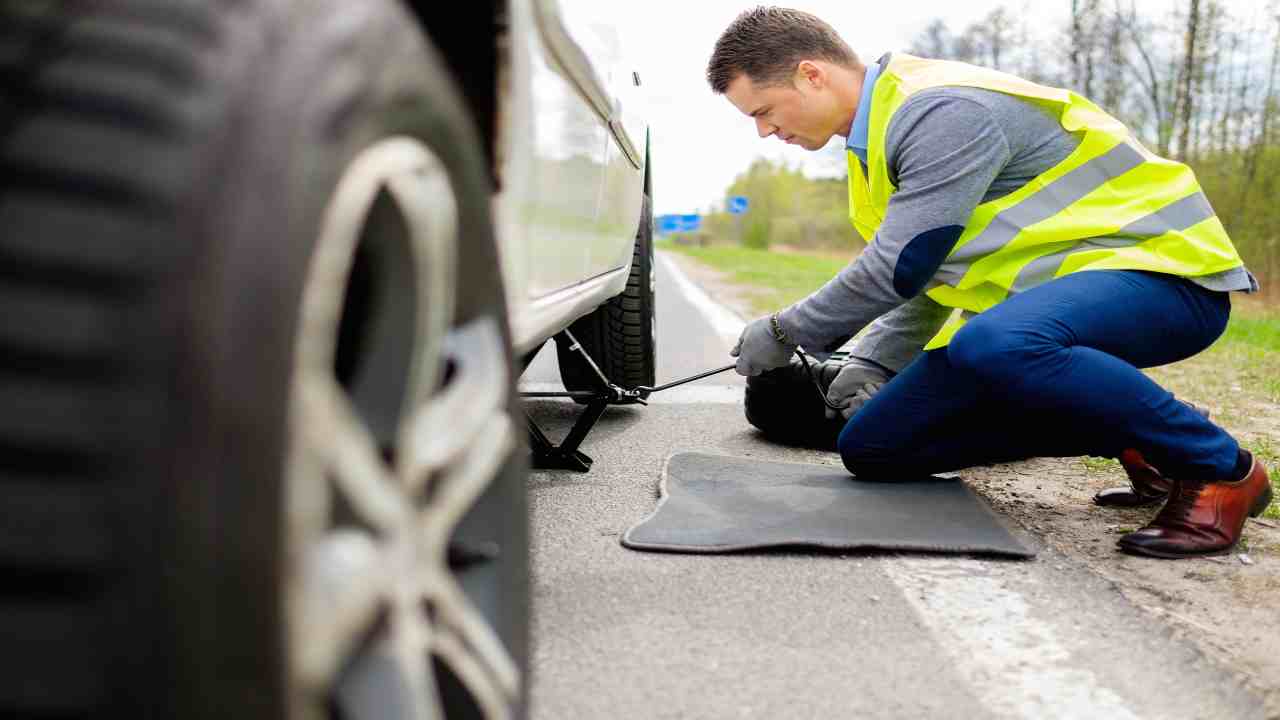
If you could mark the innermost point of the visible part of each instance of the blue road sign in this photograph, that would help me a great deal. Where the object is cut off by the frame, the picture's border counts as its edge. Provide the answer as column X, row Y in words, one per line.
column 668, row 224
column 738, row 204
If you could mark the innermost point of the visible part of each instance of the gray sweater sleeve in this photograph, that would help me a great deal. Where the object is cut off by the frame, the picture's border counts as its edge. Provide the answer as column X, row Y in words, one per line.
column 898, row 336
column 943, row 150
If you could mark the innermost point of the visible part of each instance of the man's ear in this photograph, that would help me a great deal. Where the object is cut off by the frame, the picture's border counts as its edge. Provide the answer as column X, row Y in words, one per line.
column 811, row 73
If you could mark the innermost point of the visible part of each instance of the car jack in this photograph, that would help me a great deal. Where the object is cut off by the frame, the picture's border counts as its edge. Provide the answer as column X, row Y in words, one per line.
column 566, row 455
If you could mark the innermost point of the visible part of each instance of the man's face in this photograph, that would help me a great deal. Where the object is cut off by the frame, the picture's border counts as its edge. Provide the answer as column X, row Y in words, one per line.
column 801, row 112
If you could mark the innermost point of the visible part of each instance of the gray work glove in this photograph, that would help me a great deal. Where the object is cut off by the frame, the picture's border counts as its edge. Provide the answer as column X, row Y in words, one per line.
column 759, row 349
column 854, row 385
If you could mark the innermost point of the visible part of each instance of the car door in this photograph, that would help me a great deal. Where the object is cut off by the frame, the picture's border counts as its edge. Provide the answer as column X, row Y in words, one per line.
column 586, row 37
column 560, row 147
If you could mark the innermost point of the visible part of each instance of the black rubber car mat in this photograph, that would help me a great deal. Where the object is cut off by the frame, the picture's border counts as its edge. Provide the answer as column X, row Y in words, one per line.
column 717, row 503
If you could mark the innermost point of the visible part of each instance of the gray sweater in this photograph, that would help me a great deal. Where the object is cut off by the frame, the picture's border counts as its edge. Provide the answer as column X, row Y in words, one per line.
column 948, row 150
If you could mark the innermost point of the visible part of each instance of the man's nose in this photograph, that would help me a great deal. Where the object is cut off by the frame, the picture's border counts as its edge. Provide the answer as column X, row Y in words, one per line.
column 764, row 129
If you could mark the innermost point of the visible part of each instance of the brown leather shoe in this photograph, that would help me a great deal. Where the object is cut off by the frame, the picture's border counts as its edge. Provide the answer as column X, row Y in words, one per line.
column 1202, row 518
column 1146, row 485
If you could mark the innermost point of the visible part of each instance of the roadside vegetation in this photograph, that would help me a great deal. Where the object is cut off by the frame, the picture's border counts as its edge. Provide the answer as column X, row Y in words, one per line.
column 771, row 278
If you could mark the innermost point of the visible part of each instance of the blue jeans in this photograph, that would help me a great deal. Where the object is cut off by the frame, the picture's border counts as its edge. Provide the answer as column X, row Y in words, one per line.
column 1052, row 372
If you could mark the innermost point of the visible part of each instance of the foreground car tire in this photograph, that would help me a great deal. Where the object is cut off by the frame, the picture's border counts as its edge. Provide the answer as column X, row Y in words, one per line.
column 256, row 389
column 620, row 335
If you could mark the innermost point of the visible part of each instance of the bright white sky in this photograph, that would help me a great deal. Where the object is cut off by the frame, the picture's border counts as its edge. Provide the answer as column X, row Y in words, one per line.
column 700, row 142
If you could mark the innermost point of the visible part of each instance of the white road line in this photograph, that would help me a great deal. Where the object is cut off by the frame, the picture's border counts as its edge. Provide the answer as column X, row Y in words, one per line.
column 725, row 322
column 1015, row 663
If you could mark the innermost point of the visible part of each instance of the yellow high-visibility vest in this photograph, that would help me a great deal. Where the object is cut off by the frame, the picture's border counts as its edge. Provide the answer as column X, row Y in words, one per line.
column 1110, row 205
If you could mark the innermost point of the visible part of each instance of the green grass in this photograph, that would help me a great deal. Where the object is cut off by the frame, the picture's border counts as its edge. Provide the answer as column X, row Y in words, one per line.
column 1252, row 343
column 1269, row 454
column 780, row 278
column 1099, row 464
column 1254, row 328
column 1265, row 450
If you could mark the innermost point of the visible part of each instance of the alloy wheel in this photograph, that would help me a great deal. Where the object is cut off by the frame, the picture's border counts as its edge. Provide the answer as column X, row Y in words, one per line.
column 392, row 443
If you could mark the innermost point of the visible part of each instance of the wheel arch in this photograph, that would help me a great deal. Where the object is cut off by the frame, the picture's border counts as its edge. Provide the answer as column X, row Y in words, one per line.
column 469, row 39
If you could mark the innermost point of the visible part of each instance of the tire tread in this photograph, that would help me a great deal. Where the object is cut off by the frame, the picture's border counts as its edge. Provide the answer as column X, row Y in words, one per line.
column 93, row 118
column 616, row 334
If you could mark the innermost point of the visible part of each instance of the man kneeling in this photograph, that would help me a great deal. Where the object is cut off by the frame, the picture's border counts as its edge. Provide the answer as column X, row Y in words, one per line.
column 1061, row 255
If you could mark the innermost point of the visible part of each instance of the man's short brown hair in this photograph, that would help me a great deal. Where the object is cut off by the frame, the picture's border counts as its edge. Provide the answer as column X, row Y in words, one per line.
column 767, row 43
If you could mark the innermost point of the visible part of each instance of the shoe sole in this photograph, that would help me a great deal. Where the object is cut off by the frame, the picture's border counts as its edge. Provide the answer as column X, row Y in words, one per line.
column 1134, row 550
column 1148, row 503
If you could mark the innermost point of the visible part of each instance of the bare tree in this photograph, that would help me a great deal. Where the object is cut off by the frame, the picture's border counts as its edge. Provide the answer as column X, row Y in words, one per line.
column 1269, row 103
column 1246, row 82
column 997, row 33
column 1263, row 135
column 1145, row 74
column 1224, row 75
column 1114, row 86
column 1224, row 127
column 968, row 45
column 934, row 41
column 1184, row 103
column 1084, row 25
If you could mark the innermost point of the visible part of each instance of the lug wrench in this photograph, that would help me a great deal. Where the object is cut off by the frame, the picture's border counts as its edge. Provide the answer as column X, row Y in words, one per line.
column 645, row 390
column 567, row 456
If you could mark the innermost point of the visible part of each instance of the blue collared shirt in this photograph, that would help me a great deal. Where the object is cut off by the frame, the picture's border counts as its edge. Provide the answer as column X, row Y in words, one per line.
column 857, row 141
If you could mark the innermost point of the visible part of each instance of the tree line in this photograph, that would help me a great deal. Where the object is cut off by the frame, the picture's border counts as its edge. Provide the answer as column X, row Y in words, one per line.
column 1196, row 83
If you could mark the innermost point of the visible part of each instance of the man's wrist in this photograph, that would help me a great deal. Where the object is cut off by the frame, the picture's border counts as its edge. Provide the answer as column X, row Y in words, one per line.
column 869, row 364
column 778, row 333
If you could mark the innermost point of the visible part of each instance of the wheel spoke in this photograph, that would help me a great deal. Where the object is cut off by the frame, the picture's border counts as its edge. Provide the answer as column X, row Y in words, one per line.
column 336, row 432
column 455, row 489
column 410, row 648
column 373, row 687
column 493, row 699
column 342, row 581
column 392, row 681
column 308, row 493
column 431, row 213
column 454, row 421
column 456, row 613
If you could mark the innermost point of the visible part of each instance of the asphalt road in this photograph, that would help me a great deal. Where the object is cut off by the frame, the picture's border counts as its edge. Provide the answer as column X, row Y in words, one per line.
column 624, row 634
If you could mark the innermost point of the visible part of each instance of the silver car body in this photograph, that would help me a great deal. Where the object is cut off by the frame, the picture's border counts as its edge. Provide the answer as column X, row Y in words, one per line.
column 572, row 156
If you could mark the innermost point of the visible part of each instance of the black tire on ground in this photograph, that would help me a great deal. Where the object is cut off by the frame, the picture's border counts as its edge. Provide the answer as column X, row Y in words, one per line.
column 621, row 334
column 785, row 406
column 164, row 169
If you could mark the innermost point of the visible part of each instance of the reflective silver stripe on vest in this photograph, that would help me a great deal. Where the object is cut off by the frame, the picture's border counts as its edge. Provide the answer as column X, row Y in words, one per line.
column 1044, row 268
column 1177, row 215
column 1047, row 202
column 950, row 274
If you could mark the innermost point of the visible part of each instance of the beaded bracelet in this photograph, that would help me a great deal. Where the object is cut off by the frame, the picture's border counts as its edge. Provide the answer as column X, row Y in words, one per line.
column 778, row 334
